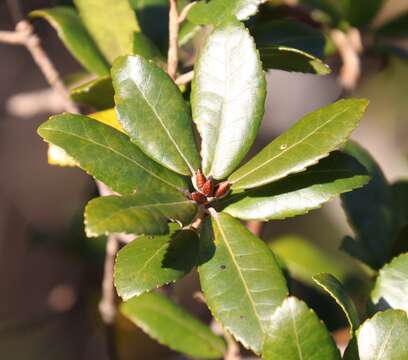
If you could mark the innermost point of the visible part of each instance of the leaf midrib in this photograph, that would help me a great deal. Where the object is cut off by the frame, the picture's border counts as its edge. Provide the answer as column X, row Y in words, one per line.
column 176, row 319
column 146, row 206
column 116, row 152
column 224, row 237
column 295, row 332
column 291, row 146
column 153, row 108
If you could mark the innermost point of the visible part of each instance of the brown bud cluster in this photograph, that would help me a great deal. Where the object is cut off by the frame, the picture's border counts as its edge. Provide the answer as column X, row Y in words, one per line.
column 207, row 188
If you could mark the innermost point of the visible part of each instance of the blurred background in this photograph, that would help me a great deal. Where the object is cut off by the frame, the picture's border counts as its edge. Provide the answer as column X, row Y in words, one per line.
column 50, row 274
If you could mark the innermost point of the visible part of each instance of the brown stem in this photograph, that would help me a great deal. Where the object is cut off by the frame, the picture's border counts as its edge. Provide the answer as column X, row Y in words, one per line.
column 174, row 26
column 24, row 35
column 107, row 306
column 185, row 78
column 184, row 12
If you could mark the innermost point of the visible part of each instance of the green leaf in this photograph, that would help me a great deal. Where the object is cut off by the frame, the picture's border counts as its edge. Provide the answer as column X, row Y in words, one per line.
column 391, row 286
column 171, row 325
column 397, row 27
column 97, row 93
column 298, row 193
column 370, row 213
column 296, row 333
column 290, row 59
column 217, row 11
column 304, row 259
column 360, row 13
column 153, row 17
column 227, row 98
column 152, row 261
column 111, row 24
column 137, row 214
column 240, row 278
column 187, row 32
column 384, row 337
column 304, row 144
column 152, row 110
column 73, row 34
column 143, row 46
column 290, row 34
column 335, row 289
column 108, row 155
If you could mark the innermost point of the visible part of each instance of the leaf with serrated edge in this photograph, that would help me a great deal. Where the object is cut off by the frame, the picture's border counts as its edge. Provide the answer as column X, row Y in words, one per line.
column 152, row 261
column 111, row 24
column 335, row 289
column 172, row 326
column 299, row 193
column 227, row 98
column 296, row 333
column 152, row 110
column 384, row 336
column 240, row 278
column 75, row 37
column 391, row 285
column 147, row 213
column 109, row 155
column 216, row 11
column 304, row 144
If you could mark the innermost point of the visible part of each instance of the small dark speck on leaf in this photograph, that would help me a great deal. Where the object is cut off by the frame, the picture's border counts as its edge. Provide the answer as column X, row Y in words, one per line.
column 223, row 267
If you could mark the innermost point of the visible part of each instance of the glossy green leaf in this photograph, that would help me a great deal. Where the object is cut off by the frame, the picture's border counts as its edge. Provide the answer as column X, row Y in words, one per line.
column 111, row 24
column 335, row 289
column 171, row 325
column 299, row 193
column 309, row 140
column 391, row 286
column 217, row 11
column 293, row 60
column 152, row 261
column 384, row 337
column 296, row 333
column 304, row 259
column 109, row 155
column 137, row 214
column 97, row 93
column 227, row 98
column 397, row 27
column 290, row 34
column 370, row 213
column 73, row 34
column 152, row 110
column 240, row 278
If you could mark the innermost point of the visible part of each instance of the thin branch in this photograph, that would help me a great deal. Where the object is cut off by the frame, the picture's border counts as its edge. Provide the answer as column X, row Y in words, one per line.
column 107, row 305
column 185, row 78
column 174, row 26
column 24, row 35
column 184, row 12
column 349, row 46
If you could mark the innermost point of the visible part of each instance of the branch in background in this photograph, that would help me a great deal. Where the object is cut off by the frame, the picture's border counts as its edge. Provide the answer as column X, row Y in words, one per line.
column 24, row 35
column 174, row 26
column 349, row 46
column 185, row 78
